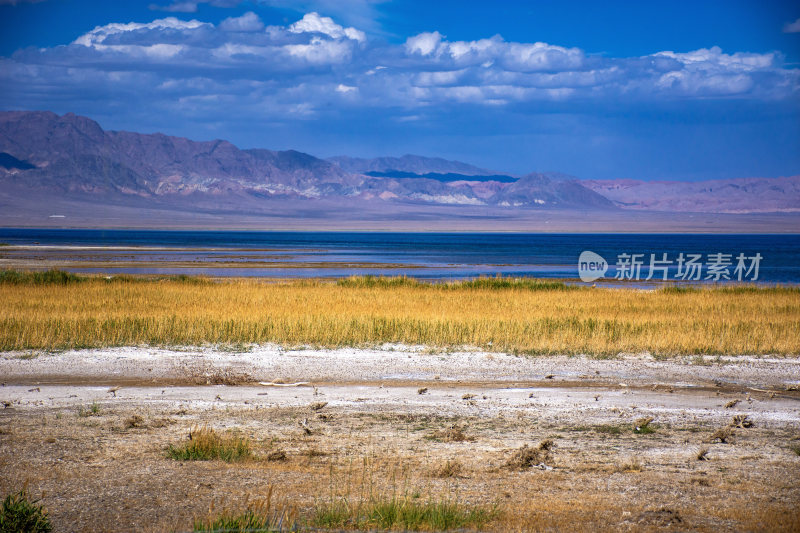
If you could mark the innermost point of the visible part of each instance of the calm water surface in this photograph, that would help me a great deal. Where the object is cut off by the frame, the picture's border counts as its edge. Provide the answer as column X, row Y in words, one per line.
column 422, row 255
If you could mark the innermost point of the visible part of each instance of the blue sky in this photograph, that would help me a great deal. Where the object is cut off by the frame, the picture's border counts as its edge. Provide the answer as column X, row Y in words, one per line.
column 645, row 90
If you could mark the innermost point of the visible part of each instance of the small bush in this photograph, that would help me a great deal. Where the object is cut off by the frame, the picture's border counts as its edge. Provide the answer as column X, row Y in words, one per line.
column 741, row 421
column 721, row 435
column 205, row 444
column 643, row 427
column 527, row 456
column 20, row 514
column 448, row 469
column 632, row 465
column 135, row 421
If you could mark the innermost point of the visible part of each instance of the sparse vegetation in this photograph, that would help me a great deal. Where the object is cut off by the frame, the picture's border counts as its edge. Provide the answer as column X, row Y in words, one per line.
column 405, row 513
column 135, row 421
column 92, row 410
column 528, row 456
column 450, row 434
column 722, row 435
column 21, row 514
column 205, row 444
column 450, row 468
column 258, row 516
column 276, row 455
column 58, row 310
column 631, row 465
column 608, row 429
column 643, row 427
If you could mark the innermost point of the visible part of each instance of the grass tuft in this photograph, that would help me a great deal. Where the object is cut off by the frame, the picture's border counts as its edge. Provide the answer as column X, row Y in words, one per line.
column 404, row 513
column 19, row 513
column 448, row 469
column 205, row 444
column 528, row 456
column 259, row 516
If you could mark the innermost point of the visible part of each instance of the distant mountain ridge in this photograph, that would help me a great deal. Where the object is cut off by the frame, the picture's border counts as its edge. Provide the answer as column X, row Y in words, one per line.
column 742, row 195
column 74, row 154
column 48, row 156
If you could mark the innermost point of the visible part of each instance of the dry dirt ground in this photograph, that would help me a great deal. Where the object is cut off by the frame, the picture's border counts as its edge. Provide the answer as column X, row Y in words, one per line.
column 98, row 459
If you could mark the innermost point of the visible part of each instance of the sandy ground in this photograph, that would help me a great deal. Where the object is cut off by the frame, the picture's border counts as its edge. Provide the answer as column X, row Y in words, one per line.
column 368, row 422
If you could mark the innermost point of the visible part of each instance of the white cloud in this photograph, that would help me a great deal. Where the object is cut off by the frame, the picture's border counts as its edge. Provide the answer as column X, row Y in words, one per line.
column 792, row 27
column 714, row 57
column 313, row 23
column 423, row 44
column 97, row 37
column 247, row 22
column 320, row 51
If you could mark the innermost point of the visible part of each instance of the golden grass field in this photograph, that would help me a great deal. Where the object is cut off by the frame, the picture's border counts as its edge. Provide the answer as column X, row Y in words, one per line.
column 521, row 316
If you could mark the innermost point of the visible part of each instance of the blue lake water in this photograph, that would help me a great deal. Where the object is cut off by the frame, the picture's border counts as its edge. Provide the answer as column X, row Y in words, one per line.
column 422, row 255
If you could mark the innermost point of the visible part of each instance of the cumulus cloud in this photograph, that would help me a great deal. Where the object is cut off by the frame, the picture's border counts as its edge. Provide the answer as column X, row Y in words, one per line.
column 313, row 23
column 102, row 37
column 423, row 44
column 792, row 27
column 247, row 22
column 316, row 65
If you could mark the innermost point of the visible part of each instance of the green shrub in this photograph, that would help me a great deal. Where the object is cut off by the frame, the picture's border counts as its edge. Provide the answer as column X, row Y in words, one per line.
column 20, row 514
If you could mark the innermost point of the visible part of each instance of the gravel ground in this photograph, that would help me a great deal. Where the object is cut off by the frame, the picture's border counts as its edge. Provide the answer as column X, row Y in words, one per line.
column 88, row 430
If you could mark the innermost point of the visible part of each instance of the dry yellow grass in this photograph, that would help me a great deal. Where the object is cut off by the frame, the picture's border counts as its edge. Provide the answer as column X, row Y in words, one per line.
column 520, row 318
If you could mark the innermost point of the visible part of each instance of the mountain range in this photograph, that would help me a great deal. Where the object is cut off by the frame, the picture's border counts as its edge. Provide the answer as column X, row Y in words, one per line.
column 70, row 158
